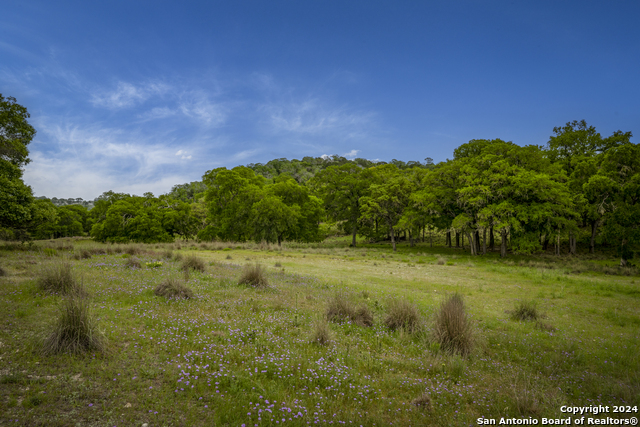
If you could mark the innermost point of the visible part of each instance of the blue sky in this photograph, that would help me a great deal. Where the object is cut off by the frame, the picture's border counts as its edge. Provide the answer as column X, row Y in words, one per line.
column 137, row 96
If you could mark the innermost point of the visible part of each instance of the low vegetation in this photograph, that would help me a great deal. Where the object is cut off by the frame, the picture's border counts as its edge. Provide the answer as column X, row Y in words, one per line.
column 254, row 275
column 335, row 338
column 76, row 329
column 173, row 288
column 401, row 314
column 452, row 328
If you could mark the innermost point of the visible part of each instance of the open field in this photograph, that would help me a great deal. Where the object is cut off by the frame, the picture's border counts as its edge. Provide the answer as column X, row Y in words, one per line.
column 241, row 355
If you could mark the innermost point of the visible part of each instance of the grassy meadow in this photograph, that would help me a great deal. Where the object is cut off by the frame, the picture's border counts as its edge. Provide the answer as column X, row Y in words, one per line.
column 544, row 332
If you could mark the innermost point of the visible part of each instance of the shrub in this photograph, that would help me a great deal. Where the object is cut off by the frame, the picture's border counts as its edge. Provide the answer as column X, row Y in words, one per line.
column 229, row 257
column 57, row 277
column 278, row 264
column 3, row 272
column 192, row 262
column 168, row 254
column 75, row 330
column 341, row 309
column 525, row 310
column 452, row 327
column 321, row 334
column 154, row 264
column 173, row 288
column 253, row 275
column 441, row 261
column 401, row 314
column 133, row 262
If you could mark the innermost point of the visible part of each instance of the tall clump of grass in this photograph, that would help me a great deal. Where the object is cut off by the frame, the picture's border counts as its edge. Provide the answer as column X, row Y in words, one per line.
column 525, row 310
column 254, row 275
column 341, row 309
column 3, row 272
column 57, row 277
column 173, row 288
column 133, row 262
column 192, row 262
column 452, row 327
column 402, row 314
column 321, row 334
column 76, row 329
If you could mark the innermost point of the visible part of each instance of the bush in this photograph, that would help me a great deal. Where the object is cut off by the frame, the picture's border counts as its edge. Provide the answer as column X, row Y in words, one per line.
column 173, row 288
column 192, row 262
column 452, row 327
column 133, row 262
column 321, row 333
column 3, row 272
column 525, row 310
column 341, row 309
column 57, row 278
column 401, row 314
column 76, row 329
column 254, row 275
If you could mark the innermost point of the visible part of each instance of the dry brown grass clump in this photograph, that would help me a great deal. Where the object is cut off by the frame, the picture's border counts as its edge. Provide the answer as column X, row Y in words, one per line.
column 133, row 250
column 3, row 272
column 341, row 309
column 173, row 288
column 452, row 328
column 133, row 262
column 76, row 329
column 57, row 277
column 401, row 314
column 423, row 401
column 192, row 262
column 83, row 254
column 525, row 310
column 254, row 275
column 321, row 333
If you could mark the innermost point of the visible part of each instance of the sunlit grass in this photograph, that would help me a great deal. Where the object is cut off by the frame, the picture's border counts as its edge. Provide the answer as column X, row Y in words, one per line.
column 249, row 355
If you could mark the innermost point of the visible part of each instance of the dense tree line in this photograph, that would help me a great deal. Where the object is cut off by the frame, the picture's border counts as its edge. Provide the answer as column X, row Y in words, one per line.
column 580, row 186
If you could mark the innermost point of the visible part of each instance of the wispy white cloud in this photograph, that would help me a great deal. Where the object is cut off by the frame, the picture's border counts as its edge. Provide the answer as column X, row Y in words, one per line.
column 313, row 117
column 126, row 95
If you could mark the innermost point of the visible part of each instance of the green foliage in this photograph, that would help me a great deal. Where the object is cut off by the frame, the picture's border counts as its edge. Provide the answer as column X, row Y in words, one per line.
column 121, row 218
column 525, row 310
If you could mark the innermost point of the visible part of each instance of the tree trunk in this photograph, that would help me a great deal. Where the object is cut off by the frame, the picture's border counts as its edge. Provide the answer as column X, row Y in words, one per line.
column 558, row 244
column 477, row 242
column 393, row 237
column 430, row 237
column 472, row 245
column 491, row 240
column 411, row 239
column 503, row 243
column 484, row 242
column 545, row 242
column 448, row 239
column 353, row 235
column 457, row 239
column 423, row 233
column 279, row 240
column 592, row 245
column 572, row 244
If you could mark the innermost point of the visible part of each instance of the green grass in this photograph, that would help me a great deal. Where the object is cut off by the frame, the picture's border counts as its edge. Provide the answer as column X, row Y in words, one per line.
column 217, row 358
